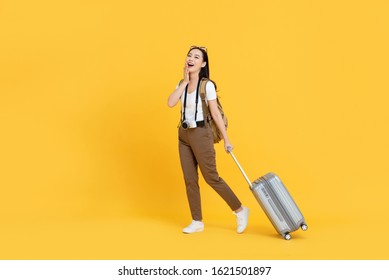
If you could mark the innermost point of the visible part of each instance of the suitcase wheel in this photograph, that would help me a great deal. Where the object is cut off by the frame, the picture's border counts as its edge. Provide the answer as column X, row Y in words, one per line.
column 304, row 227
column 287, row 236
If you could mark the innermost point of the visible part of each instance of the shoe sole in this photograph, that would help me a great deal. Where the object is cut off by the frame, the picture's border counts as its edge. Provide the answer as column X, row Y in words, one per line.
column 189, row 232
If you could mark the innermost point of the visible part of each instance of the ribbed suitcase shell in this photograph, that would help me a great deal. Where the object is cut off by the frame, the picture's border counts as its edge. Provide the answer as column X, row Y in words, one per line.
column 278, row 204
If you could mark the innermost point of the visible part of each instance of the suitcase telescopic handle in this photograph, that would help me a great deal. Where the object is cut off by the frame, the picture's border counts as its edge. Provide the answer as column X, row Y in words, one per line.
column 239, row 166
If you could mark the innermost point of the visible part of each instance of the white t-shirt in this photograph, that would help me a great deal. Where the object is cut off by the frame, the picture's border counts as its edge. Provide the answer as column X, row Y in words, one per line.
column 191, row 102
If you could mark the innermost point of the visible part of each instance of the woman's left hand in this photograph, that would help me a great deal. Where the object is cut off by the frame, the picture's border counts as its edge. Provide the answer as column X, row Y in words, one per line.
column 228, row 146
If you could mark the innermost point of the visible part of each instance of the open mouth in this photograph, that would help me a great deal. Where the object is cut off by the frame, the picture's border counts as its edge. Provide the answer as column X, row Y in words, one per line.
column 190, row 64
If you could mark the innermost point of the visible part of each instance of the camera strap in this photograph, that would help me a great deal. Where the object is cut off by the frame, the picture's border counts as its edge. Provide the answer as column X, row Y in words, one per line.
column 197, row 99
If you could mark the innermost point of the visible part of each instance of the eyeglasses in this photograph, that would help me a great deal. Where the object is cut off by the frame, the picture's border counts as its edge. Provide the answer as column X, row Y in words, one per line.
column 199, row 47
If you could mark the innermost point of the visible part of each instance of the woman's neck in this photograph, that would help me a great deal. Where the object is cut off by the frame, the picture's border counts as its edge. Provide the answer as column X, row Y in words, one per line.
column 194, row 77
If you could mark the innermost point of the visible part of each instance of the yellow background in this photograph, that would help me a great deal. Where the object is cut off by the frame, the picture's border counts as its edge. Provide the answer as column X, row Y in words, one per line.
column 89, row 165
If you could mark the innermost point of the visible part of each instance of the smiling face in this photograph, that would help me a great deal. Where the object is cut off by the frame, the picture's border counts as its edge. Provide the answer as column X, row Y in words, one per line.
column 195, row 61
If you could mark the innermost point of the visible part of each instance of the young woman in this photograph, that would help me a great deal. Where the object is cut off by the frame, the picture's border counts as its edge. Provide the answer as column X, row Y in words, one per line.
column 196, row 140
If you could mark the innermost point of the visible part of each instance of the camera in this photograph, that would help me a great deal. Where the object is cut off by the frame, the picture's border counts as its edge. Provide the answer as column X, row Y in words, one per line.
column 188, row 124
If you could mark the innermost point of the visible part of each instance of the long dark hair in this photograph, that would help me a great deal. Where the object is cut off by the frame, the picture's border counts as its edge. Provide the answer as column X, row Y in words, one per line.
column 204, row 72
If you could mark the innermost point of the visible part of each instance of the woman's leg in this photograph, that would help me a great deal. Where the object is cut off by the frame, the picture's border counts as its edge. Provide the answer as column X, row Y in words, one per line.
column 189, row 167
column 204, row 152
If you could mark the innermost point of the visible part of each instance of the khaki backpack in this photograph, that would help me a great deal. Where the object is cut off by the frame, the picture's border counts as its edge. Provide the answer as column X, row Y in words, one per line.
column 217, row 135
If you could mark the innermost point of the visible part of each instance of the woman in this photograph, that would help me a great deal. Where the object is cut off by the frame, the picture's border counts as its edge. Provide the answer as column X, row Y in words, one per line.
column 196, row 140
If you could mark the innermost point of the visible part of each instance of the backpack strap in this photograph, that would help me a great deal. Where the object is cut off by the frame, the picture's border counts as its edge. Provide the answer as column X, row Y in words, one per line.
column 206, row 113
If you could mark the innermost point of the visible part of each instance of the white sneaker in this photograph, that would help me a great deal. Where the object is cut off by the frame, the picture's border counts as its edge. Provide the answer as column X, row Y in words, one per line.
column 195, row 226
column 242, row 219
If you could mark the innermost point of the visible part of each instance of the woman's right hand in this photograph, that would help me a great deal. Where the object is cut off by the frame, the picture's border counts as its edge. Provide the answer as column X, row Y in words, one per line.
column 186, row 74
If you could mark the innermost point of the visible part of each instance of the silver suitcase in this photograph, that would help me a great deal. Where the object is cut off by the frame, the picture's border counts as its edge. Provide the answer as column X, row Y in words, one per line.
column 276, row 202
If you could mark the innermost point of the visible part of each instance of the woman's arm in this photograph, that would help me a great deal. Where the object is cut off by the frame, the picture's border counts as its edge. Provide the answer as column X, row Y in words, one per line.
column 217, row 118
column 175, row 96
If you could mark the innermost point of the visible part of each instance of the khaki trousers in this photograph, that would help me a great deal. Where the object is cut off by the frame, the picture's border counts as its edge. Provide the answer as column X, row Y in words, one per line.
column 196, row 150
